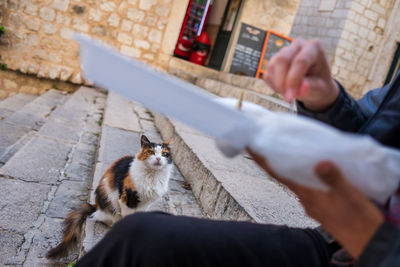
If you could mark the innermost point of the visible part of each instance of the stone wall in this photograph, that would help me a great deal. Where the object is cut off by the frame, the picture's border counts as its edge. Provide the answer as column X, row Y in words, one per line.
column 358, row 47
column 323, row 20
column 12, row 82
column 37, row 43
column 356, row 34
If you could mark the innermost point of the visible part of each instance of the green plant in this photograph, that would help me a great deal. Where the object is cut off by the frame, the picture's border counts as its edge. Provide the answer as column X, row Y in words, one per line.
column 71, row 264
column 2, row 29
column 3, row 66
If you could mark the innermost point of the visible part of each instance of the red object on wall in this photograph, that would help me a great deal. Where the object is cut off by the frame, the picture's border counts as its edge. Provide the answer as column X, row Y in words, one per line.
column 200, row 49
column 193, row 24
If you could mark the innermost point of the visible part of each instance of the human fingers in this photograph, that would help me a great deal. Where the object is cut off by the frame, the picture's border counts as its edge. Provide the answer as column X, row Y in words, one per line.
column 308, row 56
column 277, row 68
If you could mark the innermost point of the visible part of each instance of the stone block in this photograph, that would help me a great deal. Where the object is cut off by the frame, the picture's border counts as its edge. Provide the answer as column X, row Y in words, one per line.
column 31, row 40
column 49, row 28
column 47, row 13
column 61, row 5
column 116, row 143
column 142, row 44
column 62, row 129
column 63, row 19
column 371, row 15
column 162, row 10
column 69, row 196
column 147, row 4
column 78, row 172
column 155, row 36
column 113, row 20
column 150, row 20
column 95, row 14
column 31, row 9
column 80, row 25
column 33, row 24
column 120, row 114
column 10, row 85
column 135, row 15
column 124, row 38
column 43, row 158
column 22, row 203
column 108, row 6
column 99, row 30
column 126, row 25
column 140, row 31
column 131, row 51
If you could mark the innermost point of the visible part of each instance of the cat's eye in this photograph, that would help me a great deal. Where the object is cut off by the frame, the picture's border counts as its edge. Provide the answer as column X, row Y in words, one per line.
column 151, row 152
column 165, row 154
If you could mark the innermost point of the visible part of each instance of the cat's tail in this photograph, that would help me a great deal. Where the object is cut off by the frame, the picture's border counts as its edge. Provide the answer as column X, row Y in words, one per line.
column 72, row 231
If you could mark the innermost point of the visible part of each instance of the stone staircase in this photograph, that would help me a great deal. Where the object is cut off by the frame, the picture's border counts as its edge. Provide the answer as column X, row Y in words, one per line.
column 53, row 149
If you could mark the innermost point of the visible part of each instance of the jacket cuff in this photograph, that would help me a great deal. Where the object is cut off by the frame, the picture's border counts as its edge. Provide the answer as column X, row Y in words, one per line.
column 381, row 250
column 328, row 113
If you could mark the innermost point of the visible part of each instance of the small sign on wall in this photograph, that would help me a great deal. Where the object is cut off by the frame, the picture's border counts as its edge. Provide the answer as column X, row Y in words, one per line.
column 273, row 43
column 248, row 51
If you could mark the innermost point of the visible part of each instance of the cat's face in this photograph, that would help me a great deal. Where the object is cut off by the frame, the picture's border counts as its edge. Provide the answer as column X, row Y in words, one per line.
column 156, row 156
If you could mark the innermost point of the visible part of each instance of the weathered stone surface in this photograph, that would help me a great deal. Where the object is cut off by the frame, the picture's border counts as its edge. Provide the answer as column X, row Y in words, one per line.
column 12, row 149
column 10, row 242
column 120, row 114
column 230, row 188
column 69, row 196
column 62, row 129
column 46, row 237
column 116, row 143
column 34, row 114
column 43, row 160
column 10, row 134
column 14, row 103
column 21, row 203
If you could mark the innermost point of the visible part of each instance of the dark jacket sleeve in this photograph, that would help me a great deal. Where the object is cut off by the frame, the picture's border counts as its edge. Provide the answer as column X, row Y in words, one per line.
column 383, row 250
column 346, row 113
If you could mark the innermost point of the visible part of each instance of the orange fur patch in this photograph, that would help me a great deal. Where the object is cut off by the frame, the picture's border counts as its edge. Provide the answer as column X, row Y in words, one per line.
column 128, row 183
column 145, row 153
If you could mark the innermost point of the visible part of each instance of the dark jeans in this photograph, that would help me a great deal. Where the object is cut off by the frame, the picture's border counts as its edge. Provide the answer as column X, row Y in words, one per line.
column 160, row 239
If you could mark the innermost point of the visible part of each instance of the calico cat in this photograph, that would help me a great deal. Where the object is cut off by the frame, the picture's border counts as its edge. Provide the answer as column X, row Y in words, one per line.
column 128, row 185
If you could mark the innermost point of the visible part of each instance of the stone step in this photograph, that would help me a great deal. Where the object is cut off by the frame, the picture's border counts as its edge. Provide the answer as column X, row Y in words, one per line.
column 13, row 103
column 124, row 122
column 49, row 177
column 232, row 189
column 18, row 128
column 226, row 90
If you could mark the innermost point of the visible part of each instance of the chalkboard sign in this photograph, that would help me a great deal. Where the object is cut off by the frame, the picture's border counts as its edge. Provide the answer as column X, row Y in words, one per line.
column 273, row 43
column 248, row 51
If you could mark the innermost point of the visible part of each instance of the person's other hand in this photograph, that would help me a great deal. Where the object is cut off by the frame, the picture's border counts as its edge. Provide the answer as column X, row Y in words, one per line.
column 343, row 210
column 301, row 70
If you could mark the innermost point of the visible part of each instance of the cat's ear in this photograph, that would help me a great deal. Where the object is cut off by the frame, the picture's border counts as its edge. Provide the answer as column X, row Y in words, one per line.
column 168, row 142
column 144, row 141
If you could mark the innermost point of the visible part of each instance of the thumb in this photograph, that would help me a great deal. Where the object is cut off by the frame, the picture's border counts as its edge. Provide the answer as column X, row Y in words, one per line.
column 330, row 174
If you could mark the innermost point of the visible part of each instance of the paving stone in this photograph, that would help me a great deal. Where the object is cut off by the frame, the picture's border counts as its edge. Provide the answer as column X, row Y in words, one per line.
column 62, row 129
column 78, row 172
column 120, row 114
column 69, row 196
column 35, row 113
column 116, row 143
column 10, row 242
column 94, row 232
column 84, row 154
column 90, row 138
column 21, row 203
column 42, row 158
column 46, row 237
column 14, row 103
column 15, row 147
column 10, row 134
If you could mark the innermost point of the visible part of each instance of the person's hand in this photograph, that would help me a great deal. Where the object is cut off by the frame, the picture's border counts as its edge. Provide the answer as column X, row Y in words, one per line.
column 301, row 70
column 343, row 211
